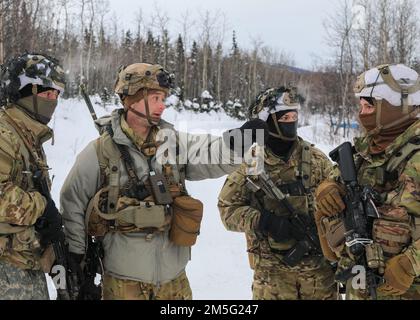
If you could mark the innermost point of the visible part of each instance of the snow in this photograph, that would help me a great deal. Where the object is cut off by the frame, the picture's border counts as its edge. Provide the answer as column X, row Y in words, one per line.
column 206, row 95
column 219, row 266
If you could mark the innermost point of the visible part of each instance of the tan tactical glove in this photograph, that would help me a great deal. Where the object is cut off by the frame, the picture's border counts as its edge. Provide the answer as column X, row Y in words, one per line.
column 328, row 197
column 399, row 276
column 326, row 249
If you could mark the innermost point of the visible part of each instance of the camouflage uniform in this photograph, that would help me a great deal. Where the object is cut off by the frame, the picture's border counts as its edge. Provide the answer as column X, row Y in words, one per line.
column 387, row 160
column 23, row 129
column 403, row 192
column 312, row 278
column 140, row 259
column 21, row 205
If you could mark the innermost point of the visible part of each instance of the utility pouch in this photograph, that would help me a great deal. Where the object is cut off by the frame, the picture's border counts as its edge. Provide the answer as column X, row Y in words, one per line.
column 160, row 188
column 186, row 220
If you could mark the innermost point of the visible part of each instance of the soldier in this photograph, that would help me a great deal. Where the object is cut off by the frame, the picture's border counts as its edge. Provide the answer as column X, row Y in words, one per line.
column 272, row 230
column 122, row 193
column 30, row 85
column 387, row 160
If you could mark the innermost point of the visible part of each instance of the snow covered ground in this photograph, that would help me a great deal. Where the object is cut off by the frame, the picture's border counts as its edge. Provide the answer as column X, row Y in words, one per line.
column 219, row 266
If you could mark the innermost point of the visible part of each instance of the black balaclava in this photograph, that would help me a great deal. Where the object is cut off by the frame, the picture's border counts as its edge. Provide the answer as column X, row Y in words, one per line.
column 281, row 143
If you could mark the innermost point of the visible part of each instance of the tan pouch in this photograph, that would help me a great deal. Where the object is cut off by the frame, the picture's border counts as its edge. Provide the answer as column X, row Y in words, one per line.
column 95, row 224
column 186, row 220
column 393, row 236
column 392, row 230
column 143, row 215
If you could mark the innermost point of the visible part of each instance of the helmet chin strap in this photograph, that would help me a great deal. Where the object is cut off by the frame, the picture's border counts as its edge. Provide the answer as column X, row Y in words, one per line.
column 146, row 104
column 35, row 100
column 279, row 134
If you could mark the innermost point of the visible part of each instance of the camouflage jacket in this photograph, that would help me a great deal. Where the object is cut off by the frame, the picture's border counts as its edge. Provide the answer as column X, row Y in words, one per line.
column 398, row 228
column 239, row 212
column 20, row 204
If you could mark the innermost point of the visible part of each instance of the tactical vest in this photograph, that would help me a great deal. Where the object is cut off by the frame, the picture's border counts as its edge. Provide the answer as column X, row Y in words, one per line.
column 393, row 230
column 19, row 244
column 109, row 210
column 300, row 197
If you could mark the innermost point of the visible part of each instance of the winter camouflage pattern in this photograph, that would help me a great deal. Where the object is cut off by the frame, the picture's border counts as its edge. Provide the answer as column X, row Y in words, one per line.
column 401, row 198
column 239, row 214
column 30, row 68
column 120, row 289
column 20, row 204
column 18, row 284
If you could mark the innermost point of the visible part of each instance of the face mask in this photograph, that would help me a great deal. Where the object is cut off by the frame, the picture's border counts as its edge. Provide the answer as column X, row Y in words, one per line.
column 381, row 139
column 368, row 121
column 46, row 108
column 289, row 129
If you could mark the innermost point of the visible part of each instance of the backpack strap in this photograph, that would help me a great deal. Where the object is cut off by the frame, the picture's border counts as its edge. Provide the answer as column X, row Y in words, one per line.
column 390, row 170
column 109, row 160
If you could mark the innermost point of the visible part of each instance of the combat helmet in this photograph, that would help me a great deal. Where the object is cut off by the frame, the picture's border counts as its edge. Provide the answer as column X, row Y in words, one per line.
column 394, row 84
column 30, row 68
column 142, row 76
column 274, row 100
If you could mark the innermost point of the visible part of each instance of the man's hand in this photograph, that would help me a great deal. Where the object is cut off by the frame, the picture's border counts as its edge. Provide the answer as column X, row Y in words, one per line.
column 50, row 225
column 241, row 139
column 399, row 276
column 278, row 228
column 329, row 201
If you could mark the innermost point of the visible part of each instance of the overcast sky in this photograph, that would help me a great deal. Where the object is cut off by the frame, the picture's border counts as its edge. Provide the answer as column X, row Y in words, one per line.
column 295, row 26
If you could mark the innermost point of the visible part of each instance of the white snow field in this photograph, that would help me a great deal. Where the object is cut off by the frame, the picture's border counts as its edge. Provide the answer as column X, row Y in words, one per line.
column 219, row 264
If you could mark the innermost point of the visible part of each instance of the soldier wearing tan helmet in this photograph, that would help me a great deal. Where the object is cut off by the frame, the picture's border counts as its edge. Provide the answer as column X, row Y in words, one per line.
column 29, row 220
column 387, row 160
column 137, row 206
column 286, row 265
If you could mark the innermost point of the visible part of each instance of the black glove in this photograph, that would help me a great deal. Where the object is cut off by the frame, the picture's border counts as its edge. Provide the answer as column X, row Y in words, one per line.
column 240, row 136
column 87, row 288
column 278, row 228
column 50, row 225
column 74, row 260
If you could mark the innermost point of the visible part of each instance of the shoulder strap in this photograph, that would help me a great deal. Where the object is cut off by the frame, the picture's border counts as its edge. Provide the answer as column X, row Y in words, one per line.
column 403, row 154
column 109, row 158
column 306, row 164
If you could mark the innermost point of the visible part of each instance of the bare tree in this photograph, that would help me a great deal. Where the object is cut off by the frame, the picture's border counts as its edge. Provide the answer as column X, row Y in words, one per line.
column 405, row 30
column 339, row 27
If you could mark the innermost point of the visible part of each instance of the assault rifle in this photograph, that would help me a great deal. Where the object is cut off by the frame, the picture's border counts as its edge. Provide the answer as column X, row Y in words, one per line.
column 358, row 216
column 60, row 248
column 302, row 224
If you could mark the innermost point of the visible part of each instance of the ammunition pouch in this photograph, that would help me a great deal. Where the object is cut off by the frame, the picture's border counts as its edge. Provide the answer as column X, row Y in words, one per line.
column 392, row 231
column 375, row 257
column 131, row 215
column 186, row 220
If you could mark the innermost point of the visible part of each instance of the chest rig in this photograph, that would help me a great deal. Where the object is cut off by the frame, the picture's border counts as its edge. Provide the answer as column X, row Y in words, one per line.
column 297, row 187
column 384, row 177
column 136, row 206
column 293, row 201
